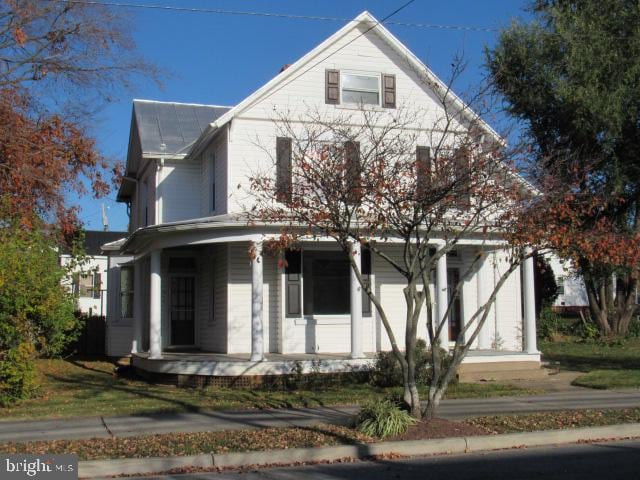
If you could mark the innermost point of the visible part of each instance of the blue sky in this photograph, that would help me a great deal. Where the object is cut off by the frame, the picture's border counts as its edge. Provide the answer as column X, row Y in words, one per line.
column 221, row 59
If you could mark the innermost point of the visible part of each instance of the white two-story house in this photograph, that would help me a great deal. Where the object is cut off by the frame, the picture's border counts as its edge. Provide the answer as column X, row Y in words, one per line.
column 185, row 295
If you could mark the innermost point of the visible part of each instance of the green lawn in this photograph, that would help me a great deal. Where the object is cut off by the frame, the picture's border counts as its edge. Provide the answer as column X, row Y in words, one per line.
column 89, row 387
column 614, row 364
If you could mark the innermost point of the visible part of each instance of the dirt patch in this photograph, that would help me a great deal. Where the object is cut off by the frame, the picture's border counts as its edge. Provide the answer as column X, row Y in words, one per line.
column 440, row 428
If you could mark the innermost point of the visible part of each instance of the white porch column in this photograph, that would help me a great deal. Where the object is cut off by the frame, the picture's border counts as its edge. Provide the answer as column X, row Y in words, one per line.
column 485, row 287
column 442, row 298
column 155, row 309
column 257, row 329
column 136, row 344
column 356, row 304
column 529, row 295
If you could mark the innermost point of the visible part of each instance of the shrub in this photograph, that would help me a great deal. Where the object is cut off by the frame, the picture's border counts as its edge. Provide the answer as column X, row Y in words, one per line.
column 383, row 419
column 388, row 373
column 17, row 375
column 634, row 328
column 549, row 323
column 36, row 312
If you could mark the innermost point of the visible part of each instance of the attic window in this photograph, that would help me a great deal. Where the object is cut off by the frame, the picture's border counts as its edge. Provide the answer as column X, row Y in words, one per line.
column 360, row 88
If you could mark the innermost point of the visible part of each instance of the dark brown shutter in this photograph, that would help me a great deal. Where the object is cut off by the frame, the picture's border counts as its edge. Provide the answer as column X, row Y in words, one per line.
column 423, row 170
column 389, row 91
column 365, row 270
column 283, row 168
column 332, row 87
column 293, row 290
column 353, row 170
column 461, row 165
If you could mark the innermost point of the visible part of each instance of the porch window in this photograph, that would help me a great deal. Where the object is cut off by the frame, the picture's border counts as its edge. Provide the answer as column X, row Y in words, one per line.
column 319, row 280
column 126, row 292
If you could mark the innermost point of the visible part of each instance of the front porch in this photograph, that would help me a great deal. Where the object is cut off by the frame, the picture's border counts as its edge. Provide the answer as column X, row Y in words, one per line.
column 216, row 306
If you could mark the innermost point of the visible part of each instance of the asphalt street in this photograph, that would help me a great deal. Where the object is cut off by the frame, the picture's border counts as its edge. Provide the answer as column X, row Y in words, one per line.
column 104, row 427
column 610, row 461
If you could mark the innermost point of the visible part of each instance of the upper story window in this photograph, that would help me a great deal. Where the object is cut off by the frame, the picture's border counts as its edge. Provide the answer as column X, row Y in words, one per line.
column 360, row 88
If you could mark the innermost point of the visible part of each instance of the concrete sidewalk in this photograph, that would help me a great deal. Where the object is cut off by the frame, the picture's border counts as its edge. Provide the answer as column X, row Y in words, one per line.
column 126, row 426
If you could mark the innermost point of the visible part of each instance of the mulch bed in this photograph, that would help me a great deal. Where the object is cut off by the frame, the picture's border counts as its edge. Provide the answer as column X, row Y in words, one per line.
column 440, row 428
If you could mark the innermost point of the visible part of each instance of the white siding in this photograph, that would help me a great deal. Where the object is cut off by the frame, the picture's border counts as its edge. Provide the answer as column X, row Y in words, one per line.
column 253, row 132
column 145, row 191
column 575, row 293
column 179, row 191
column 239, row 298
column 389, row 288
column 508, row 308
column 217, row 150
column 213, row 314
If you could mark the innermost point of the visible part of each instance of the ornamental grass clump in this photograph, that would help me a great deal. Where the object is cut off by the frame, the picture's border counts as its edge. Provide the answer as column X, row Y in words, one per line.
column 383, row 419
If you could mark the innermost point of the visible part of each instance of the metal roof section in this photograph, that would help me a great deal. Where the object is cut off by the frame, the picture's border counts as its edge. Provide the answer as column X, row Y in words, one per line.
column 169, row 128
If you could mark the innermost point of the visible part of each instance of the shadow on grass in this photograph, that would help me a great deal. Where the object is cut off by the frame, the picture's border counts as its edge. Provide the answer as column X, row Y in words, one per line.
column 586, row 362
column 95, row 388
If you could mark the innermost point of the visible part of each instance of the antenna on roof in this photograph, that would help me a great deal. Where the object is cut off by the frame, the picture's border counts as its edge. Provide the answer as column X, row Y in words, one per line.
column 105, row 220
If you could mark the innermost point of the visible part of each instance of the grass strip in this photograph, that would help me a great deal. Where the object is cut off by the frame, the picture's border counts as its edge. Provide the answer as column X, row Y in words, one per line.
column 556, row 420
column 171, row 444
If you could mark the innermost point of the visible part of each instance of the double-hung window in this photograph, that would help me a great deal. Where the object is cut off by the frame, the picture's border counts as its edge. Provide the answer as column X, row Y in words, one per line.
column 126, row 292
column 361, row 88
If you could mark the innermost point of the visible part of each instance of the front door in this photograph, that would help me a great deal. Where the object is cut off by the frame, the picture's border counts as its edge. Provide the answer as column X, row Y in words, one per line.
column 455, row 314
column 183, row 310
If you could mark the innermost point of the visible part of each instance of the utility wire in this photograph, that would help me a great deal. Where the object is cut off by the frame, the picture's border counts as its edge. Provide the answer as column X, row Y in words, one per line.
column 172, row 8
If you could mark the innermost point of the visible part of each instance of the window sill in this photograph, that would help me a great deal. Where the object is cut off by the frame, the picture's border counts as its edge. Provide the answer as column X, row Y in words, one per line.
column 325, row 320
column 354, row 106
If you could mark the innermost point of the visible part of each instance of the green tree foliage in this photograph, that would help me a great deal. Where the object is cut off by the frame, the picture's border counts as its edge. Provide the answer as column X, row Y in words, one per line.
column 572, row 76
column 36, row 312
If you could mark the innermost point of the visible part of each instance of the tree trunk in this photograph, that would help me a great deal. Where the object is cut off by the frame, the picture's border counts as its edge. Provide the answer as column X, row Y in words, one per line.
column 611, row 313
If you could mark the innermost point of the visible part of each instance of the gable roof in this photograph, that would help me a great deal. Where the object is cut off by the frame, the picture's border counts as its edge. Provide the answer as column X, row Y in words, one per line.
column 373, row 25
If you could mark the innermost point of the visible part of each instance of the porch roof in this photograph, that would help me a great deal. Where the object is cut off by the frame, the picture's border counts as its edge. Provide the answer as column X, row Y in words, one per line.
column 235, row 228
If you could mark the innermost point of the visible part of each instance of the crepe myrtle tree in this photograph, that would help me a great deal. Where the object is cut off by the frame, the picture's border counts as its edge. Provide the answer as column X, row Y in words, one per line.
column 404, row 177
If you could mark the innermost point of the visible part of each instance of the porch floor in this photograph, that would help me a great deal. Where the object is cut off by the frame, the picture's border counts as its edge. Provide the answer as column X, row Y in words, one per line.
column 224, row 365
column 221, row 364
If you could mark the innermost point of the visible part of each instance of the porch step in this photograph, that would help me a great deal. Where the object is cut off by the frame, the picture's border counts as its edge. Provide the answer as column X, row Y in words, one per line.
column 501, row 371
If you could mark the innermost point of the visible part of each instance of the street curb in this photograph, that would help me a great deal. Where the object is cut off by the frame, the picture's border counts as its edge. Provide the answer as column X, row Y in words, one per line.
column 102, row 468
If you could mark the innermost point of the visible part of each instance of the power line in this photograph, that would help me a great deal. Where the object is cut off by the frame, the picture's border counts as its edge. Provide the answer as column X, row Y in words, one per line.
column 173, row 8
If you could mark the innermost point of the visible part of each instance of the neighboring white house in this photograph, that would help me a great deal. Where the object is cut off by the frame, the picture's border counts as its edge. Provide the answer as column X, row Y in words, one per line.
column 88, row 281
column 572, row 294
column 184, row 296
